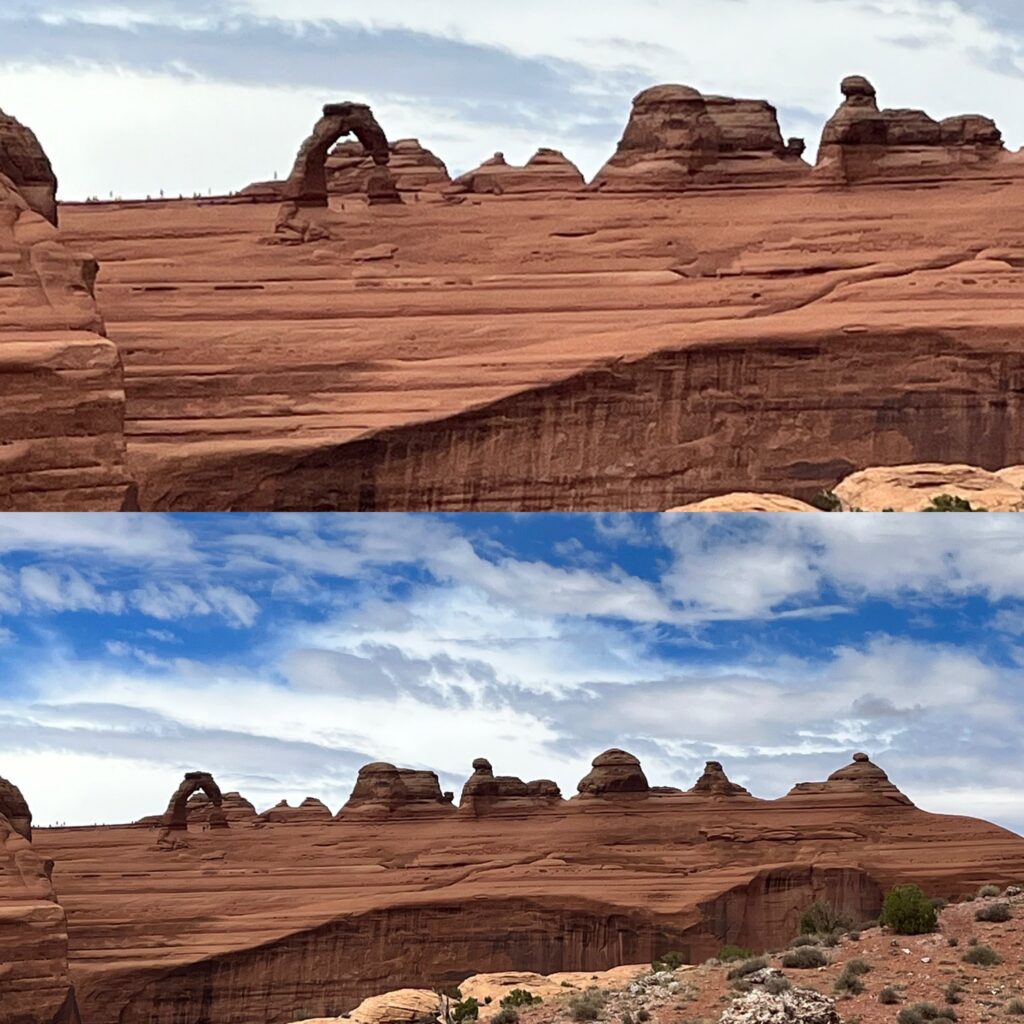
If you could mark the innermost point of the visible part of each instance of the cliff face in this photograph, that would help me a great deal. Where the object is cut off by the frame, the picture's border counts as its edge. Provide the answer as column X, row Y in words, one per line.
column 61, row 382
column 35, row 984
column 280, row 921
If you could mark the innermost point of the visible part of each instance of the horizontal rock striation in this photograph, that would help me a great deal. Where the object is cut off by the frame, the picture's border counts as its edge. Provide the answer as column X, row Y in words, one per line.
column 311, row 809
column 548, row 170
column 383, row 790
column 25, row 163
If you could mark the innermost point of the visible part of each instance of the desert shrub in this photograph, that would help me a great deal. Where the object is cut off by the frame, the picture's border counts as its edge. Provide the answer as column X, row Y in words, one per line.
column 729, row 953
column 587, row 1005
column 953, row 941
column 995, row 913
column 938, row 903
column 889, row 996
column 747, row 967
column 451, row 992
column 643, row 1016
column 826, row 501
column 508, row 1015
column 466, row 1009
column 776, row 984
column 950, row 503
column 853, row 936
column 907, row 911
column 804, row 958
column 822, row 918
column 973, row 940
column 953, row 993
column 987, row 891
column 1015, row 1008
column 803, row 940
column 832, row 938
column 849, row 983
column 858, row 967
column 672, row 961
column 627, row 1018
column 982, row 956
column 919, row 1013
column 520, row 997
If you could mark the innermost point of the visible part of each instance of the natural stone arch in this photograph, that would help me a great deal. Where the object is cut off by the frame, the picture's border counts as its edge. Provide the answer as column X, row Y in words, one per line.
column 176, row 816
column 307, row 183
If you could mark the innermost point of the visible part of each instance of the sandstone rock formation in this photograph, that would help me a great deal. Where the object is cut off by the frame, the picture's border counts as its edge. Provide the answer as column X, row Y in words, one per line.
column 547, row 170
column 311, row 809
column 413, row 168
column 746, row 502
column 403, row 1006
column 25, row 163
column 862, row 142
column 253, row 924
column 234, row 807
column 62, row 402
column 484, row 792
column 677, row 138
column 914, row 488
column 714, row 782
column 381, row 789
column 307, row 183
column 857, row 779
column 35, row 983
column 614, row 773
column 176, row 817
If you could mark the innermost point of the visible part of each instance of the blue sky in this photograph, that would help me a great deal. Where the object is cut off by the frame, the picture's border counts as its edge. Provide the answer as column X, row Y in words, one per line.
column 134, row 96
column 282, row 652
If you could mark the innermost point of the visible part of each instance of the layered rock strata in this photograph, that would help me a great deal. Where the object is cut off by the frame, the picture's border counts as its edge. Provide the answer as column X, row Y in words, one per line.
column 485, row 792
column 548, row 170
column 862, row 142
column 382, row 789
column 614, row 773
column 311, row 809
column 24, row 161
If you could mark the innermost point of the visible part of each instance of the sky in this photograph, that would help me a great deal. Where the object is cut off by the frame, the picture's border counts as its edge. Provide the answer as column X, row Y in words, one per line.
column 281, row 652
column 133, row 96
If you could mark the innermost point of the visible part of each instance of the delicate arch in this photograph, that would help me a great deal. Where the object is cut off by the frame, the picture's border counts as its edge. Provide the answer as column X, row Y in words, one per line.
column 176, row 815
column 307, row 183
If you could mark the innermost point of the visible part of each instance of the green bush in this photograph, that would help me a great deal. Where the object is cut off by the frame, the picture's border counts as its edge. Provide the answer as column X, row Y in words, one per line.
column 729, row 953
column 587, row 1005
column 822, row 918
column 950, row 503
column 953, row 993
column 907, row 911
column 643, row 1015
column 747, row 967
column 467, row 1009
column 776, row 984
column 889, row 996
column 1015, row 1008
column 520, row 997
column 994, row 913
column 849, row 983
column 987, row 891
column 804, row 940
column 826, row 501
column 506, row 1016
column 673, row 961
column 920, row 1013
column 982, row 956
column 804, row 958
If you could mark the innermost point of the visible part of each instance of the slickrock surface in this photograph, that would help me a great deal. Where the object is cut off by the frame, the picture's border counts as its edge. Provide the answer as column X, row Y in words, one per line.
column 747, row 503
column 913, row 488
column 548, row 170
column 615, row 772
column 677, row 138
column 62, row 401
column 35, row 984
column 584, row 352
column 277, row 923
column 24, row 161
column 861, row 142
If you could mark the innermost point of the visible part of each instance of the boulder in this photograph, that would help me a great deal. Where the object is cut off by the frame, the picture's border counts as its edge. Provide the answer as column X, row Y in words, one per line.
column 25, row 163
column 310, row 810
column 404, row 1006
column 792, row 1006
column 677, row 138
column 914, row 488
column 548, row 170
column 383, row 790
column 614, row 773
column 861, row 142
column 743, row 501
column 714, row 782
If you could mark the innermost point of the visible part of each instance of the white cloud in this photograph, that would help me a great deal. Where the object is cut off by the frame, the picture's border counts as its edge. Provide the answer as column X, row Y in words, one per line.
column 171, row 600
column 65, row 590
